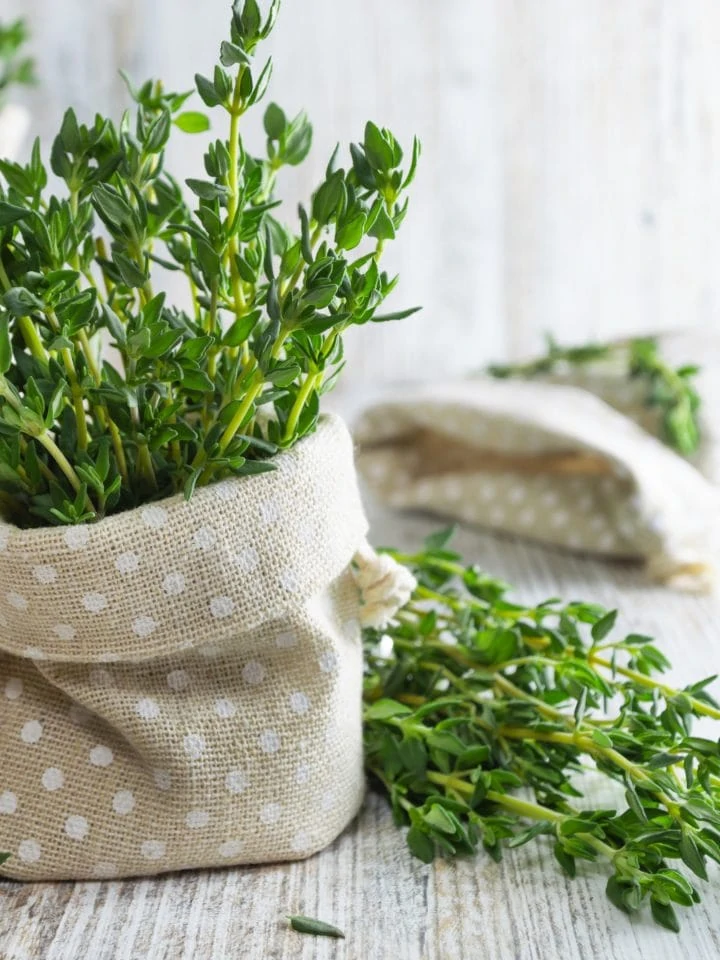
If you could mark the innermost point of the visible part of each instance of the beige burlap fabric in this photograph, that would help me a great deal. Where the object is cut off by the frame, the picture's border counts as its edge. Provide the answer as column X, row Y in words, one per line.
column 180, row 685
column 572, row 463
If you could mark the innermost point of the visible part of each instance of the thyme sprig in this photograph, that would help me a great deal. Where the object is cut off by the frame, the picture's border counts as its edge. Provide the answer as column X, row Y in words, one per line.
column 316, row 928
column 482, row 716
column 194, row 394
column 15, row 68
column 668, row 389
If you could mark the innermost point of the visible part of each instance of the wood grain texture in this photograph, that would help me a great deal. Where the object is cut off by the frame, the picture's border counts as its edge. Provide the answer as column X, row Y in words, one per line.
column 569, row 181
column 388, row 904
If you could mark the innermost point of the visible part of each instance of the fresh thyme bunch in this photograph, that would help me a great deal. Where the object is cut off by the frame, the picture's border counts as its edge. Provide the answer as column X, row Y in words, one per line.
column 199, row 393
column 471, row 698
column 671, row 391
column 14, row 68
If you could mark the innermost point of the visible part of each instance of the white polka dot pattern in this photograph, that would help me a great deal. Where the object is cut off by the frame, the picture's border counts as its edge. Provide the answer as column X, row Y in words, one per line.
column 178, row 680
column 286, row 640
column 77, row 827
column 225, row 708
column 29, row 851
column 152, row 849
column 221, row 607
column 53, row 779
column 194, row 745
column 162, row 779
column 147, row 708
column 168, row 677
column 197, row 819
column 204, row 538
column 549, row 461
column 16, row 600
column 236, row 781
column 230, row 849
column 270, row 813
column 144, row 626
column 247, row 560
column 174, row 584
column 300, row 843
column 253, row 672
column 8, row 802
column 154, row 517
column 76, row 538
column 127, row 563
column 162, row 571
column 269, row 741
column 101, row 756
column 302, row 773
column 94, row 602
column 13, row 688
column 45, row 574
column 123, row 802
column 34, row 653
column 299, row 702
column 31, row 731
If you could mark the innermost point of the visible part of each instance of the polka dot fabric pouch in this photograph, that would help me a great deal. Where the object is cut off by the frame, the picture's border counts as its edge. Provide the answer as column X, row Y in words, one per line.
column 549, row 461
column 180, row 685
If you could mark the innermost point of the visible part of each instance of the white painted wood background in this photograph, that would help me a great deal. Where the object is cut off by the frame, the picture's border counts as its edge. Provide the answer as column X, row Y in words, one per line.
column 570, row 179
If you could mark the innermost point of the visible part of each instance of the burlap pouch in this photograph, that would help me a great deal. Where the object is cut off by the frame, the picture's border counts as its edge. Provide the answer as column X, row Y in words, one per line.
column 550, row 461
column 180, row 685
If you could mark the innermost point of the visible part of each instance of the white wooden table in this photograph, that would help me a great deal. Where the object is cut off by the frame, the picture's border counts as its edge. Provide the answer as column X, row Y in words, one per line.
column 388, row 904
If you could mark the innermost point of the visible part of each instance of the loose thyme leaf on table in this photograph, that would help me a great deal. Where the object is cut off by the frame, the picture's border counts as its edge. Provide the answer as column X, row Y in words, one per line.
column 669, row 389
column 481, row 715
column 317, row 928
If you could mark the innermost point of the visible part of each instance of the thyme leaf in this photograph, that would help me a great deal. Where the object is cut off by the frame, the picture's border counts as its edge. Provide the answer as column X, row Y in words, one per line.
column 668, row 389
column 200, row 393
column 315, row 927
column 481, row 716
column 14, row 67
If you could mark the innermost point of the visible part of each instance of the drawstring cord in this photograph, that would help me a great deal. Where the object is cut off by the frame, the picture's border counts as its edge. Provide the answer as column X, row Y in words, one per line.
column 385, row 586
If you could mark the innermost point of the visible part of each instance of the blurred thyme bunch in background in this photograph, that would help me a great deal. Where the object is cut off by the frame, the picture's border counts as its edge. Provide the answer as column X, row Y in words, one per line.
column 669, row 390
column 14, row 67
column 200, row 393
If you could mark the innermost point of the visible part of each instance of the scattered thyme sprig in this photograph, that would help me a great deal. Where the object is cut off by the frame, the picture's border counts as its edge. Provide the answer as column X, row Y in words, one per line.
column 668, row 389
column 14, row 67
column 316, row 928
column 197, row 394
column 471, row 698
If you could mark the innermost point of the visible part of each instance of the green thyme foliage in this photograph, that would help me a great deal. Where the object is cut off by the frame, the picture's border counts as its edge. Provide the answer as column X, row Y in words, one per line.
column 481, row 716
column 670, row 390
column 193, row 395
column 15, row 68
column 316, row 928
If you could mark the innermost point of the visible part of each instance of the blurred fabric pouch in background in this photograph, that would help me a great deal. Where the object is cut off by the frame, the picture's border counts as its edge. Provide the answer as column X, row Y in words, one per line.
column 573, row 459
